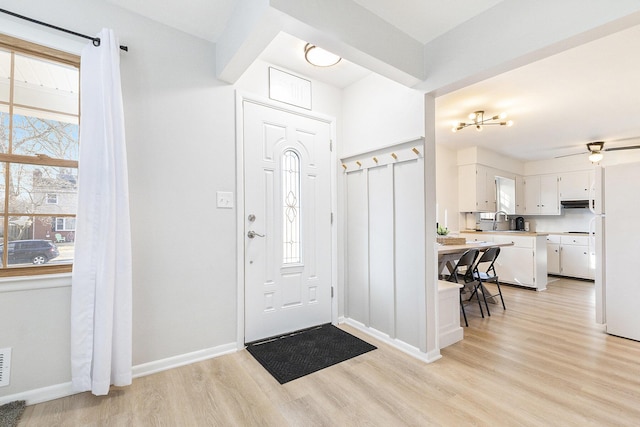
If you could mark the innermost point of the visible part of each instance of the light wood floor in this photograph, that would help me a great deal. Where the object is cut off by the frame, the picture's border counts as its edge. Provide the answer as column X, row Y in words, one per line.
column 542, row 362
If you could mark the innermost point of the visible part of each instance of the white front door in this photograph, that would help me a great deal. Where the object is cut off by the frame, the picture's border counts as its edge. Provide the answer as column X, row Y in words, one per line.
column 287, row 221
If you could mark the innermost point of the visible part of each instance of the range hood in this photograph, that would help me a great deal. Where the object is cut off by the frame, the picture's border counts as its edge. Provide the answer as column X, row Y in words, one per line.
column 574, row 204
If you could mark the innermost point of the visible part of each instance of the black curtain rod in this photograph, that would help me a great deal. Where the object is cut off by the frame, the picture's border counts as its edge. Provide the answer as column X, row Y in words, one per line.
column 95, row 40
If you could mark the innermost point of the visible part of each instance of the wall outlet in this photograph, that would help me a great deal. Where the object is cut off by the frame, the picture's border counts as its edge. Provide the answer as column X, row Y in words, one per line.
column 5, row 366
column 224, row 199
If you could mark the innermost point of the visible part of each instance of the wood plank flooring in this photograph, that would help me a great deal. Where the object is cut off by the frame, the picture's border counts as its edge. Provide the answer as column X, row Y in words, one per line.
column 542, row 362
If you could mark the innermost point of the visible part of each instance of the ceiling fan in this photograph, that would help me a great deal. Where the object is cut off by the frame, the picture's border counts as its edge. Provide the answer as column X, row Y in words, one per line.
column 595, row 150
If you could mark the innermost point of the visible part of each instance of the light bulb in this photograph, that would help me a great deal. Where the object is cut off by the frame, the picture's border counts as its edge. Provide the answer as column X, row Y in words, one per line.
column 479, row 128
column 510, row 123
column 503, row 116
column 595, row 157
column 320, row 57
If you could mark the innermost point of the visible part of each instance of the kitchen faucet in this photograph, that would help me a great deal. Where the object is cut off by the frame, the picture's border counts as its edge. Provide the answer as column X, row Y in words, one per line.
column 495, row 218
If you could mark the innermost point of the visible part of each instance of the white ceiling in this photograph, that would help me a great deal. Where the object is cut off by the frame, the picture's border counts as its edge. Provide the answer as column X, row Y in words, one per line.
column 341, row 75
column 205, row 19
column 424, row 20
column 558, row 104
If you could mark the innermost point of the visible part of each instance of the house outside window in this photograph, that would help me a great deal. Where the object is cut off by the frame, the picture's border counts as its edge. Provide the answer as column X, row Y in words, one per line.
column 65, row 224
column 39, row 144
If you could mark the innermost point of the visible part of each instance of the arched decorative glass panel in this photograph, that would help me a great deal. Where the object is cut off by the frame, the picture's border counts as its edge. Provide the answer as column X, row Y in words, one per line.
column 291, row 207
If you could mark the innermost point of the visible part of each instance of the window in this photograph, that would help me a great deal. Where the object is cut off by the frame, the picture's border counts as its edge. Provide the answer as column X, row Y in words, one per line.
column 52, row 199
column 291, row 207
column 65, row 224
column 39, row 128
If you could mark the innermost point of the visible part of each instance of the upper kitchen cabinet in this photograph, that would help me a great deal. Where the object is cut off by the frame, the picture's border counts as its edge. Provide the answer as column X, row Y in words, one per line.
column 574, row 185
column 476, row 188
column 541, row 195
column 520, row 199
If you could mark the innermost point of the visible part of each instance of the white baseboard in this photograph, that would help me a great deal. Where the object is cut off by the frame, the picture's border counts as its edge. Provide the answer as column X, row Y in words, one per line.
column 446, row 338
column 400, row 345
column 183, row 359
column 40, row 395
column 57, row 391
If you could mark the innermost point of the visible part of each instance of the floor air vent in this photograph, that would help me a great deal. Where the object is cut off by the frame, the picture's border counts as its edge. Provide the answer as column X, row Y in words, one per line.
column 5, row 364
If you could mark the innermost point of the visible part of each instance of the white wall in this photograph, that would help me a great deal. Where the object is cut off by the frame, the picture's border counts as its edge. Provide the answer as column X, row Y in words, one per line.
column 180, row 124
column 181, row 149
column 378, row 112
column 325, row 99
column 490, row 158
column 447, row 188
column 569, row 220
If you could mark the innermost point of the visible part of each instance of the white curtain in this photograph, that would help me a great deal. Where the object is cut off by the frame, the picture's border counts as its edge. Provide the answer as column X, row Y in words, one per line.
column 101, row 312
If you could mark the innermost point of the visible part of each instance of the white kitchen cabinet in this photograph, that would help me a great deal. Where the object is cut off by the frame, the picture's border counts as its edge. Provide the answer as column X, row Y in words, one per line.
column 524, row 263
column 476, row 188
column 449, row 313
column 574, row 256
column 574, row 185
column 477, row 237
column 541, row 195
column 553, row 254
column 520, row 197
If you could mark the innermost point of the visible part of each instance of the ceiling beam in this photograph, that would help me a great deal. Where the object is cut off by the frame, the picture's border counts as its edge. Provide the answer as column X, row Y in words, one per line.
column 341, row 26
column 515, row 33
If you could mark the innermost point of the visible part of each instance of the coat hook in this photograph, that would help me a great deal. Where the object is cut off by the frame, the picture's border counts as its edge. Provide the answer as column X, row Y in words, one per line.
column 395, row 156
column 375, row 159
column 415, row 150
column 359, row 164
column 344, row 166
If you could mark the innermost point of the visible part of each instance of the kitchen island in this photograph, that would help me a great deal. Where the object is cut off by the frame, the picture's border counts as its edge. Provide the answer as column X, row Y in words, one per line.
column 524, row 263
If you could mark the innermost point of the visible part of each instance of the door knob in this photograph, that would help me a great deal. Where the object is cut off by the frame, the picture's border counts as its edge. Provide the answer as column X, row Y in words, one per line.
column 251, row 234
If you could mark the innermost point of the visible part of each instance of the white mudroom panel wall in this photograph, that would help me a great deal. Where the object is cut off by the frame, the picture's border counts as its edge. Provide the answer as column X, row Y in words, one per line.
column 409, row 243
column 381, row 248
column 385, row 241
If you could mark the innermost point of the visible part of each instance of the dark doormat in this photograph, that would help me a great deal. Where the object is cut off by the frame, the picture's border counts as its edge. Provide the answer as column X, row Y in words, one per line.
column 297, row 354
column 10, row 413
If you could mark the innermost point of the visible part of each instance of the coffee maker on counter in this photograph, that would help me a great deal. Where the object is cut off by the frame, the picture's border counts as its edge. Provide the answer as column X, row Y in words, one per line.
column 520, row 223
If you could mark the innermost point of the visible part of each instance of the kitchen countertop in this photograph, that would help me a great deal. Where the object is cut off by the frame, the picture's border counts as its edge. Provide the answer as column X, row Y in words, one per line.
column 511, row 233
column 564, row 233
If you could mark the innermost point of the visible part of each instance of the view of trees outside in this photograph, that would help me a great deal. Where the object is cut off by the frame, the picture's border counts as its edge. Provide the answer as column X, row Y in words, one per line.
column 38, row 159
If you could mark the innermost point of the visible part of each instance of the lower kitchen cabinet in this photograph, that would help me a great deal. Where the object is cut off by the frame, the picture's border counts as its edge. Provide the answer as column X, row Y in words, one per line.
column 524, row 263
column 573, row 256
column 553, row 254
column 553, row 258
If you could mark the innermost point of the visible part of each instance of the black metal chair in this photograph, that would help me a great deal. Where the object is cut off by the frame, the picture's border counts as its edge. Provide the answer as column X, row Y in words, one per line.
column 466, row 261
column 487, row 276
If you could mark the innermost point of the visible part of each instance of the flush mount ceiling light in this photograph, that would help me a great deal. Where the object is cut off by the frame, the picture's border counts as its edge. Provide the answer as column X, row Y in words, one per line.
column 595, row 151
column 478, row 120
column 319, row 57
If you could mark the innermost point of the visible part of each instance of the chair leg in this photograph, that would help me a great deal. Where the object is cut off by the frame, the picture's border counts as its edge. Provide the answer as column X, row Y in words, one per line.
column 478, row 298
column 484, row 297
column 475, row 292
column 463, row 312
column 500, row 292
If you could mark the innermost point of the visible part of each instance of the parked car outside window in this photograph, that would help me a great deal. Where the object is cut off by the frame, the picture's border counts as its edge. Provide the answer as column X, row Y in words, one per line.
column 30, row 251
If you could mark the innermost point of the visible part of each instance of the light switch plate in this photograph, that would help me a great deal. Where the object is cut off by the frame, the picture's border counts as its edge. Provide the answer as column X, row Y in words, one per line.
column 224, row 199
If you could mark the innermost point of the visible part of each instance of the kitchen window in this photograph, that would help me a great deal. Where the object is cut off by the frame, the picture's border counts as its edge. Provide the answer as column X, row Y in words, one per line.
column 39, row 142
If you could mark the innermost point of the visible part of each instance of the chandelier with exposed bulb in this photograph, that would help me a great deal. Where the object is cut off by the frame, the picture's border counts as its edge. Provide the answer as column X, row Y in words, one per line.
column 479, row 121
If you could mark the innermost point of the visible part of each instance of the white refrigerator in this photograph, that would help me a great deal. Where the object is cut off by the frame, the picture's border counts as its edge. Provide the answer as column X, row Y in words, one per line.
column 616, row 205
